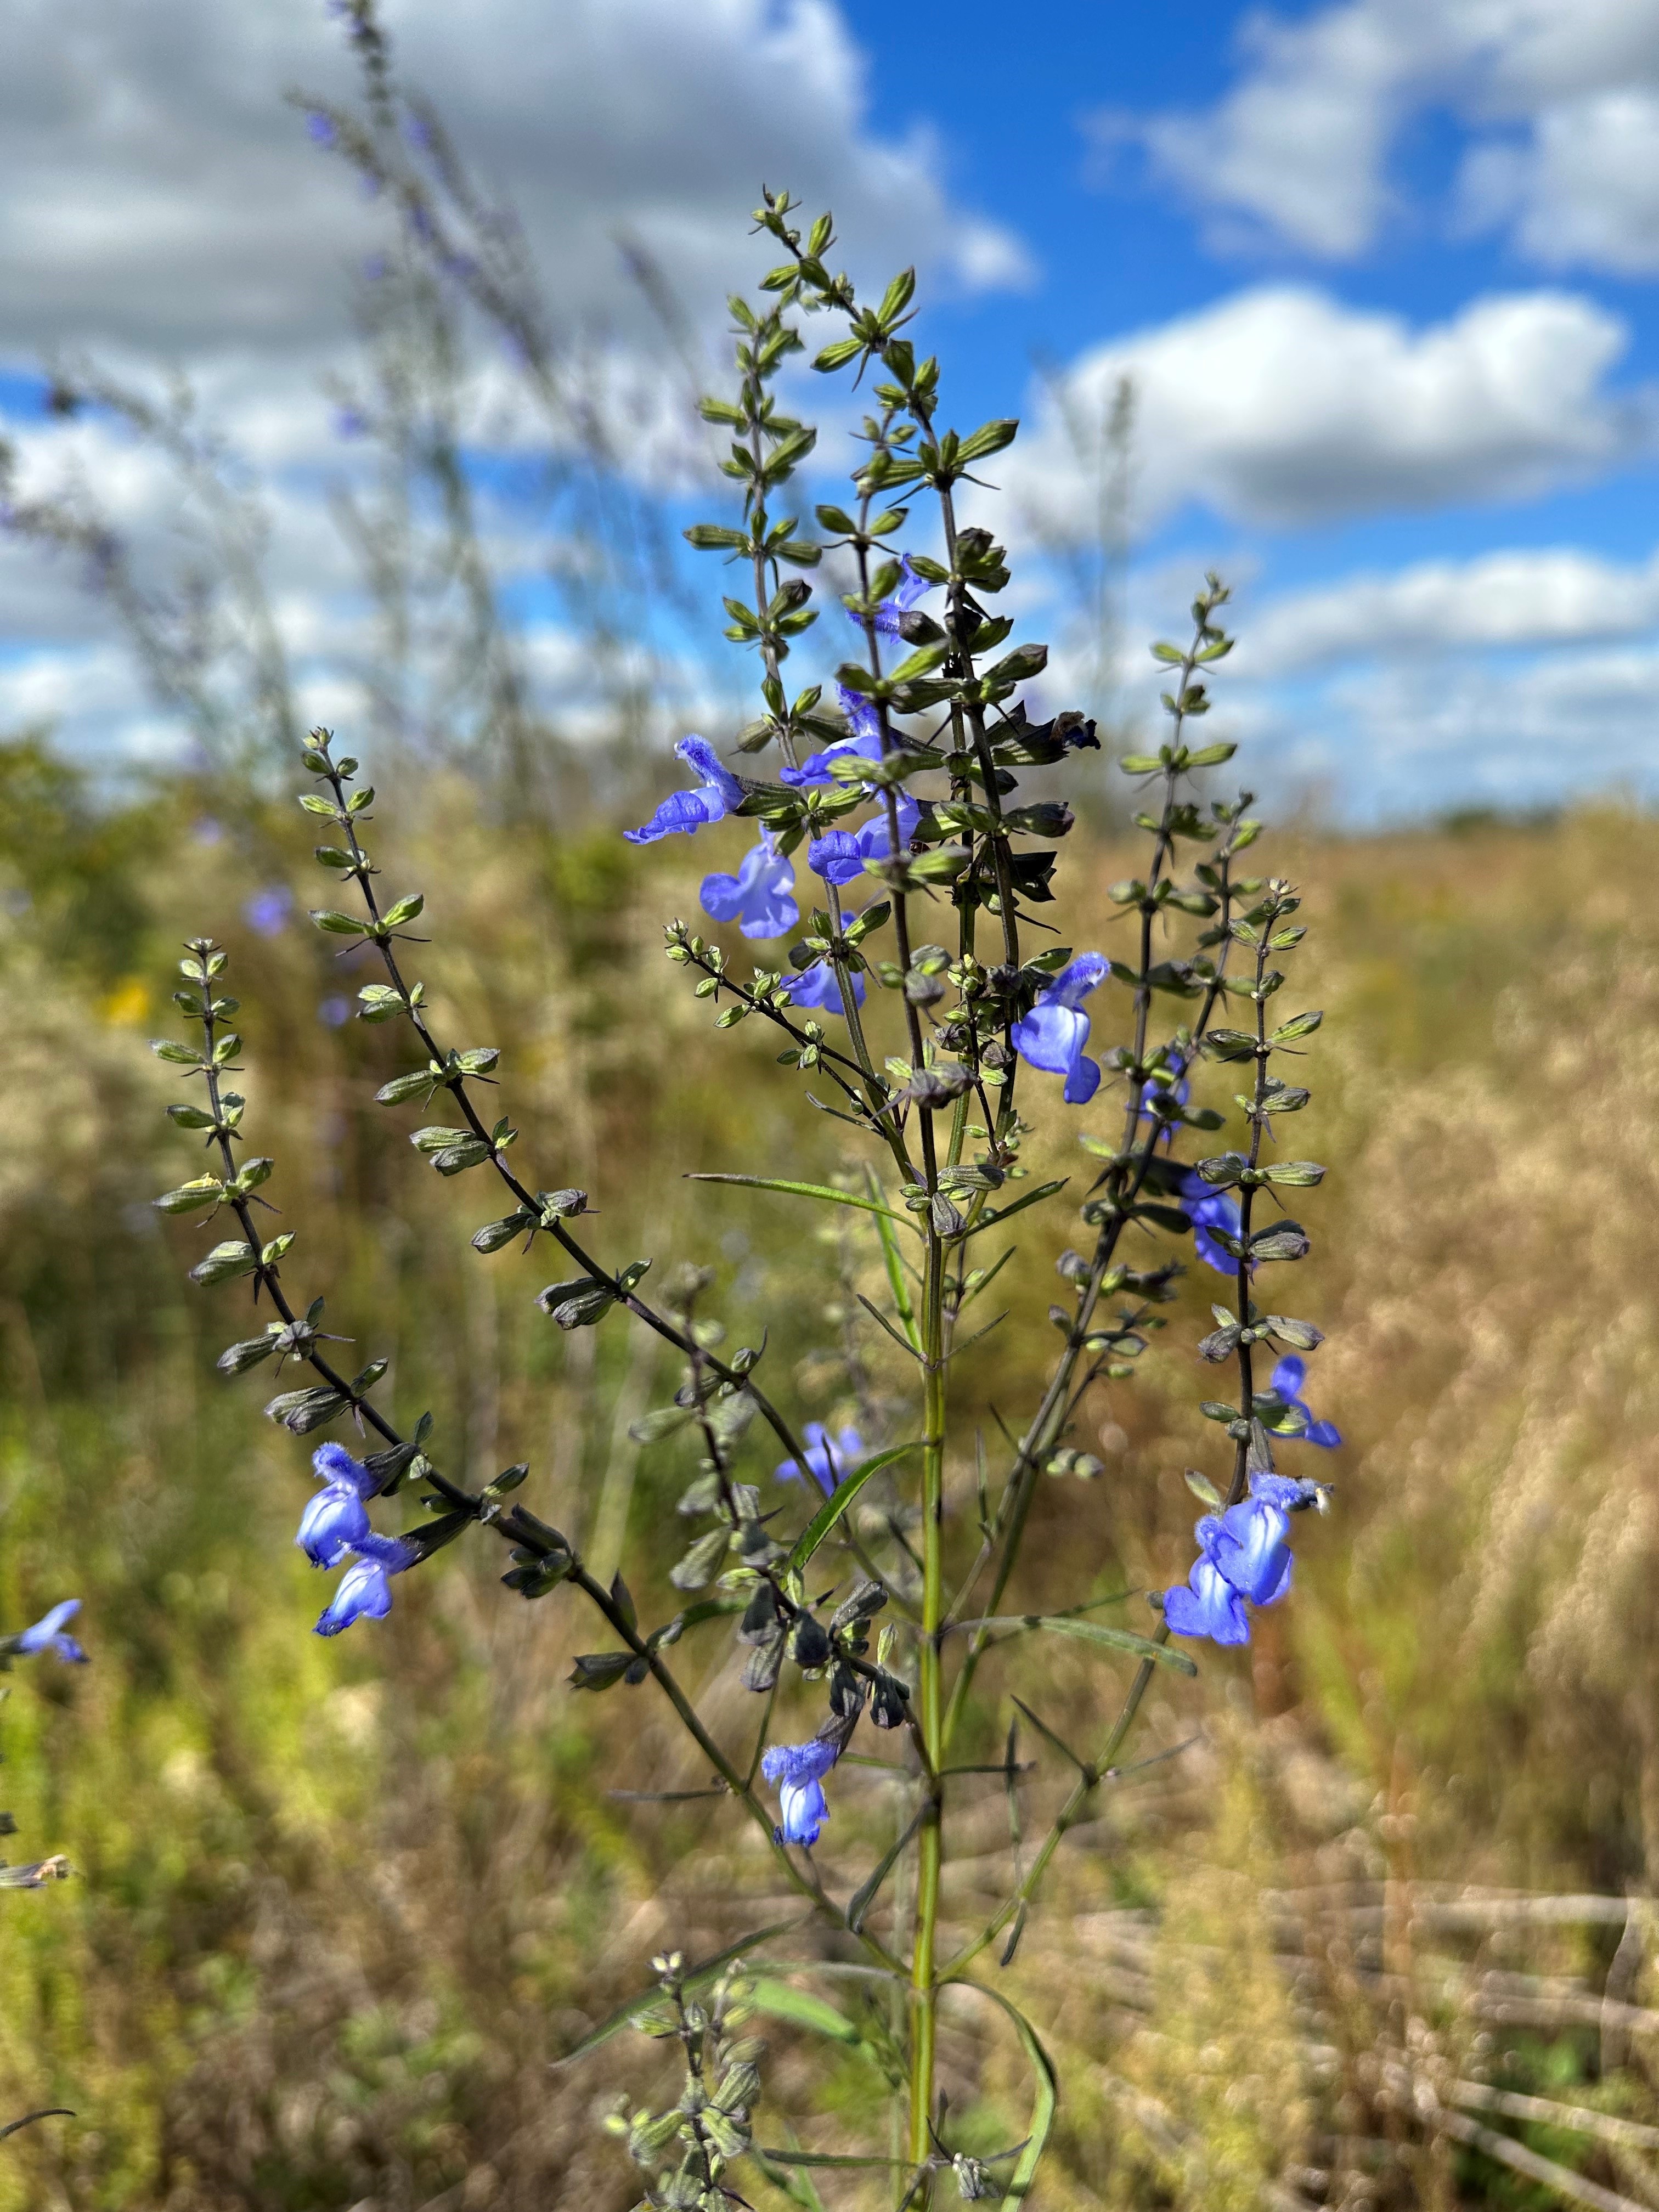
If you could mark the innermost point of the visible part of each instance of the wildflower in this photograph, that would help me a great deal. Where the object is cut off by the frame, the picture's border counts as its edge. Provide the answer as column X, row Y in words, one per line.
column 864, row 744
column 49, row 1634
column 799, row 1770
column 334, row 1011
column 759, row 897
column 361, row 1592
column 1206, row 1603
column 910, row 588
column 335, row 1521
column 267, row 912
column 839, row 855
column 1208, row 1209
column 710, row 801
column 828, row 1462
column 1287, row 1382
column 322, row 130
column 1053, row 1035
column 1252, row 1551
column 350, row 423
column 818, row 988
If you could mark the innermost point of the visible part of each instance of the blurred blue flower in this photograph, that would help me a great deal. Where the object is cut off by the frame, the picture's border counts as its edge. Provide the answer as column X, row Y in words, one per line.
column 361, row 1592
column 839, row 855
column 376, row 267
column 864, row 744
column 1208, row 1209
column 1207, row 1604
column 322, row 130
column 1053, row 1035
column 334, row 1011
column 759, row 898
column 350, row 423
column 799, row 1770
column 268, row 911
column 207, row 831
column 1286, row 1382
column 710, row 800
column 816, row 987
column 830, row 1463
column 49, row 1634
column 910, row 588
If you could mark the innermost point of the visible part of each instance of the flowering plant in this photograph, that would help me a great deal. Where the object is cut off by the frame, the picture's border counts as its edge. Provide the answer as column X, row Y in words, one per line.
column 904, row 801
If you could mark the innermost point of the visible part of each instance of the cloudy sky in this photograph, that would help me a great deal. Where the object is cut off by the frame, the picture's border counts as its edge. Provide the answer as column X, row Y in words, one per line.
column 1383, row 273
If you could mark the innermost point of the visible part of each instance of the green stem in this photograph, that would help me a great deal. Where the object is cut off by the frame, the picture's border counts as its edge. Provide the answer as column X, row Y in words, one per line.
column 923, row 1980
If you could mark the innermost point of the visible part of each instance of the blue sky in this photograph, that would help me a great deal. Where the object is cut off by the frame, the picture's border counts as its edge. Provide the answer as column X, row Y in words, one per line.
column 1383, row 274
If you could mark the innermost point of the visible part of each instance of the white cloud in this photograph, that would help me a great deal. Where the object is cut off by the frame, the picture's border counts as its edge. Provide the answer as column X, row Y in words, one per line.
column 1281, row 406
column 1560, row 103
column 1522, row 598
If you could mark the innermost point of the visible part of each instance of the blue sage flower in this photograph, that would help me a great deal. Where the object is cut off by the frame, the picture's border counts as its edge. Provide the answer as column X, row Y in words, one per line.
column 361, row 1592
column 49, row 1634
column 1208, row 1209
column 1053, row 1035
column 799, row 1770
column 1251, row 1549
column 828, row 1463
column 710, row 800
column 1207, row 1604
column 864, row 744
column 1179, row 1089
column 1287, row 1382
column 839, row 855
column 909, row 588
column 816, row 987
column 759, row 898
column 334, row 1521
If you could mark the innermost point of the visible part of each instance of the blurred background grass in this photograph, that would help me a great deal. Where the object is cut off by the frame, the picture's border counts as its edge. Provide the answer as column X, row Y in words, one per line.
column 339, row 1905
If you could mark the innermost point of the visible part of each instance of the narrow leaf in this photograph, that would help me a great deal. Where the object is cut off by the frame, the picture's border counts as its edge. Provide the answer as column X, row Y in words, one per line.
column 694, row 1978
column 832, row 1508
column 865, row 1896
column 809, row 1190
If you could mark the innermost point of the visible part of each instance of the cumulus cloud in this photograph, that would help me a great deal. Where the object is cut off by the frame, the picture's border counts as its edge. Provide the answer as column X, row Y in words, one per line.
column 1559, row 106
column 155, row 189
column 1519, row 599
column 1281, row 406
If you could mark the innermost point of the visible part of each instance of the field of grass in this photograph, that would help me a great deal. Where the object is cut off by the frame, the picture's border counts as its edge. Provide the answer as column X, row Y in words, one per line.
column 338, row 1906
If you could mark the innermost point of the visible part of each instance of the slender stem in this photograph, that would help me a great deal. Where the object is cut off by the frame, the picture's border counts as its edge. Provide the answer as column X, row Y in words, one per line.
column 924, row 1982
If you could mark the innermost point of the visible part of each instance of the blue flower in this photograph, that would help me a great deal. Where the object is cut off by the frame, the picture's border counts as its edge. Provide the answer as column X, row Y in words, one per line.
column 335, row 1523
column 864, row 744
column 48, row 1634
column 799, row 1770
column 839, row 855
column 1053, row 1035
column 1252, row 1551
column 334, row 1011
column 1286, row 1382
column 910, row 588
column 361, row 1592
column 828, row 1462
column 320, row 128
column 1208, row 1209
column 711, row 800
column 816, row 987
column 267, row 912
column 1207, row 1604
column 350, row 423
column 759, row 897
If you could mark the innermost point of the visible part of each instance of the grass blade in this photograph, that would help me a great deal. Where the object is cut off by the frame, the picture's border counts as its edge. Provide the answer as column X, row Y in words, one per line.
column 832, row 1508
column 810, row 1190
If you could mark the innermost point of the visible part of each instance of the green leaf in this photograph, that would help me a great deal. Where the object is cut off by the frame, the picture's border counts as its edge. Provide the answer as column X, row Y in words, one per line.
column 237, row 1358
column 405, row 909
column 989, row 1220
column 713, row 537
column 180, row 1056
column 1047, row 2088
column 191, row 1117
column 335, row 924
column 810, row 1190
column 1299, row 1025
column 832, row 1508
column 695, row 1978
column 419, row 1082
column 494, row 1234
column 802, row 2010
column 865, row 1896
column 989, row 438
column 205, row 1190
column 1300, row 1172
column 1091, row 1632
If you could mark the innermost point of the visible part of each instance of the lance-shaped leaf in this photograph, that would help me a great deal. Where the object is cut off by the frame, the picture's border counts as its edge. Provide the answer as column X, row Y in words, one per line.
column 224, row 1262
column 809, row 1190
column 1088, row 1632
column 833, row 1508
column 990, row 1219
column 205, row 1190
column 1046, row 2083
column 865, row 1896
